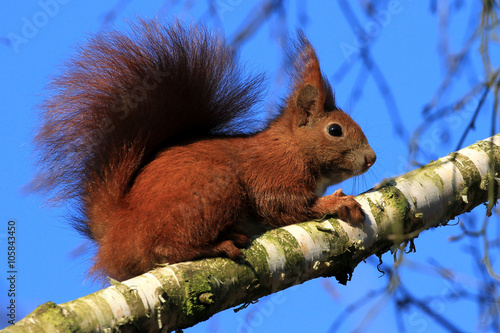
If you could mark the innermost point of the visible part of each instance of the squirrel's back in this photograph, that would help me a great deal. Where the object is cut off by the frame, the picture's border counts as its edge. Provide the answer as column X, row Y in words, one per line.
column 125, row 97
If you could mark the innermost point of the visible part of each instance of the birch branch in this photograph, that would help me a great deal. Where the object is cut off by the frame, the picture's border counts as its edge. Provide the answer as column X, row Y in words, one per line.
column 181, row 295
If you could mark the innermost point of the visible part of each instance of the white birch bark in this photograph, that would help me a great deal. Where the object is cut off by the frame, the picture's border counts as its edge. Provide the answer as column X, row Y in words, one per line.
column 181, row 295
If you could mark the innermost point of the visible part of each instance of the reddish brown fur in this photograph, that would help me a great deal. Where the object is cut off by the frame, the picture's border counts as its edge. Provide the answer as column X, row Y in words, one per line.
column 158, row 178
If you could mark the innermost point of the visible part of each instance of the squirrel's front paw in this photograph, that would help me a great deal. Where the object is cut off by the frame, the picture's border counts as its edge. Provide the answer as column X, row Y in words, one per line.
column 342, row 206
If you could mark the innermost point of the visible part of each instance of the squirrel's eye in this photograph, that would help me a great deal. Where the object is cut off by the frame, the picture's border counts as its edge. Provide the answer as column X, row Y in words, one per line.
column 334, row 130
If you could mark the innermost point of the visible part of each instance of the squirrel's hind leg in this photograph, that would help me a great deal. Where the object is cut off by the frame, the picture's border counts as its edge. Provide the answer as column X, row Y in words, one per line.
column 227, row 247
column 228, row 244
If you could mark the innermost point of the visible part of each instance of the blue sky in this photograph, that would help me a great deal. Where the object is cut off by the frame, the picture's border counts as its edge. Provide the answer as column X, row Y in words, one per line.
column 403, row 43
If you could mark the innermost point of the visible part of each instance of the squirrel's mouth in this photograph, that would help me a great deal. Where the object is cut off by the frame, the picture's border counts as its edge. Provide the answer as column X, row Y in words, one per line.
column 364, row 169
column 364, row 163
column 361, row 170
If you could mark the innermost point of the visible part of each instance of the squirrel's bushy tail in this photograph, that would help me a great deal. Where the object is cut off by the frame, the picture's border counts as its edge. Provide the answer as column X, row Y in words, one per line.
column 122, row 99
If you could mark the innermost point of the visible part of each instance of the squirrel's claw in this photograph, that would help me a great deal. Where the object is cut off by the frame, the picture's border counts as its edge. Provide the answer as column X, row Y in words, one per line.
column 342, row 206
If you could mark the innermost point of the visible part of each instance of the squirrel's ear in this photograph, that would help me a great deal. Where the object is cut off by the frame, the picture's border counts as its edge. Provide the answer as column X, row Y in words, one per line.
column 307, row 97
column 310, row 89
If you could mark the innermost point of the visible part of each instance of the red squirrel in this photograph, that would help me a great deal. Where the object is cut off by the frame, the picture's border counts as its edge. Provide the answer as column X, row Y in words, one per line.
column 141, row 132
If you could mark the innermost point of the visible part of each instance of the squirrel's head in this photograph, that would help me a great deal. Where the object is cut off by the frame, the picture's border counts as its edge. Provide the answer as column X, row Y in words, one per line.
column 328, row 137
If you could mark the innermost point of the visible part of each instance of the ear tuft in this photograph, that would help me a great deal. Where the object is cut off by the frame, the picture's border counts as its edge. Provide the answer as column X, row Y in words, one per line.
column 311, row 94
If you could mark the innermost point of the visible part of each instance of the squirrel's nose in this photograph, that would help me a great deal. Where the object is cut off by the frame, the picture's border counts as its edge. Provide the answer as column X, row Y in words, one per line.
column 370, row 159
